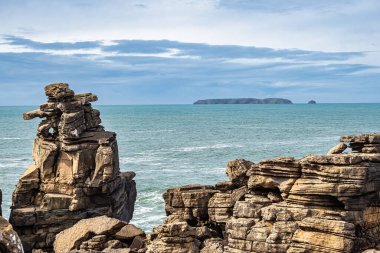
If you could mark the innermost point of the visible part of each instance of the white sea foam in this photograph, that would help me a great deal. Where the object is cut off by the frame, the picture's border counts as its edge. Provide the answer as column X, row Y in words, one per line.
column 149, row 209
column 153, row 131
column 146, row 222
column 11, row 164
column 12, row 138
column 216, row 146
column 140, row 160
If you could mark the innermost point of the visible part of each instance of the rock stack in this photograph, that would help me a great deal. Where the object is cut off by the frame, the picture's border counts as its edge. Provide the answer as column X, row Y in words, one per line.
column 9, row 240
column 75, row 174
column 317, row 204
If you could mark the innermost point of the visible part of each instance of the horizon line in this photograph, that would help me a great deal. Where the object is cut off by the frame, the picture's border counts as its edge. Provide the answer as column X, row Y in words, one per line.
column 304, row 103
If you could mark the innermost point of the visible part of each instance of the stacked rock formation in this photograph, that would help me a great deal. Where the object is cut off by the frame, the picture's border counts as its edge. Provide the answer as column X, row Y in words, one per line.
column 100, row 235
column 75, row 174
column 320, row 203
column 9, row 240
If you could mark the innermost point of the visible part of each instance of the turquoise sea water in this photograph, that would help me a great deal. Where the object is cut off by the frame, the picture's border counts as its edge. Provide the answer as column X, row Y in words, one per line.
column 173, row 145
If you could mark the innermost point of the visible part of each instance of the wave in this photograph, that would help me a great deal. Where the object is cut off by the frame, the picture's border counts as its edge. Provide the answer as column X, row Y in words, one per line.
column 13, row 138
column 15, row 163
column 149, row 209
column 141, row 160
column 150, row 196
column 153, row 131
column 147, row 221
column 199, row 148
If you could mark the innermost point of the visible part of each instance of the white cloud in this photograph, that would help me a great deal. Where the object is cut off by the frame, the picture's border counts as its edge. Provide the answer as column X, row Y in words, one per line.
column 331, row 26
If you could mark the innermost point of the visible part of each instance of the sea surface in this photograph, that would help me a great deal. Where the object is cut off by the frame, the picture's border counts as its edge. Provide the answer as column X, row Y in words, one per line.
column 173, row 145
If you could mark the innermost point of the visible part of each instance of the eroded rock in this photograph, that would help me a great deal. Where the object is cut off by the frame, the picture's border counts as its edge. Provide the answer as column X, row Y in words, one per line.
column 315, row 204
column 338, row 149
column 75, row 174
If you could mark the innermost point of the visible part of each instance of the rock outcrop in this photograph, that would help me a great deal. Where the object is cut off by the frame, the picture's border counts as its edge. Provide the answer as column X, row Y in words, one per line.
column 9, row 240
column 317, row 204
column 75, row 174
column 100, row 235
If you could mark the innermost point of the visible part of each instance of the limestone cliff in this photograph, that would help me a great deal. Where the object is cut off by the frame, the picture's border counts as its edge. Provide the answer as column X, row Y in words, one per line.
column 75, row 174
column 317, row 204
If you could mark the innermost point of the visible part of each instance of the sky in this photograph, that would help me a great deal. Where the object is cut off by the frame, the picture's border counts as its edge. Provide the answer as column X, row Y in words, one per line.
column 179, row 51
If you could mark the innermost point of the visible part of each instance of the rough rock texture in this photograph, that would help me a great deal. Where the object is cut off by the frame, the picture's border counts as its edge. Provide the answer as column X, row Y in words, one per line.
column 9, row 240
column 338, row 149
column 100, row 235
column 324, row 204
column 75, row 174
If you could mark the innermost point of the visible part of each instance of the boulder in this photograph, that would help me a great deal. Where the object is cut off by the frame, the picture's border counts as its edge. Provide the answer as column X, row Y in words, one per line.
column 100, row 235
column 237, row 171
column 9, row 240
column 128, row 232
column 338, row 149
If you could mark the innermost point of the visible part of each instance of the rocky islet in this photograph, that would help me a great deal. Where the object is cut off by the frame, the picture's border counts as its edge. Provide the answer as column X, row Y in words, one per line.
column 243, row 101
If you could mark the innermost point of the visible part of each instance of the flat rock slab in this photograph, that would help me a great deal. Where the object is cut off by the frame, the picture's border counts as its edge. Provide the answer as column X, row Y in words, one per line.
column 129, row 232
column 71, row 238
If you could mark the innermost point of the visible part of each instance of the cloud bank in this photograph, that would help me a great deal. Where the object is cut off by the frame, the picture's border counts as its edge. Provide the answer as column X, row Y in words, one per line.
column 171, row 72
column 323, row 25
column 170, row 51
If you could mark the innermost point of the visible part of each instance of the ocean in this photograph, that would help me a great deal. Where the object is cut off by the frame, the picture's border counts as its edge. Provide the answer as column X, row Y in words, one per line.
column 174, row 145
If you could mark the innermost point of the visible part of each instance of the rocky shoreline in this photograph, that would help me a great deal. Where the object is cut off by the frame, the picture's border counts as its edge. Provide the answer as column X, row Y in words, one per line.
column 74, row 199
column 327, row 203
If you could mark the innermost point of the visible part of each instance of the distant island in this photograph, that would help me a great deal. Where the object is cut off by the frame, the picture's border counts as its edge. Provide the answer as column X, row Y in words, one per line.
column 312, row 102
column 243, row 101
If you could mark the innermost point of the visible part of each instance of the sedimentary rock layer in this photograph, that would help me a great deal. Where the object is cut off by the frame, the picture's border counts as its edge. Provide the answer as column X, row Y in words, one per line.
column 317, row 204
column 75, row 174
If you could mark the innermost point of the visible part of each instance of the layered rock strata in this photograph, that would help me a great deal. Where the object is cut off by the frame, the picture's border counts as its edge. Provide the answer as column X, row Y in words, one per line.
column 9, row 240
column 100, row 235
column 75, row 174
column 320, row 203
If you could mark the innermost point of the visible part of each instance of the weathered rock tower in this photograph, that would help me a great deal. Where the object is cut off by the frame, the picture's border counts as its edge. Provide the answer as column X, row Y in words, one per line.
column 75, row 174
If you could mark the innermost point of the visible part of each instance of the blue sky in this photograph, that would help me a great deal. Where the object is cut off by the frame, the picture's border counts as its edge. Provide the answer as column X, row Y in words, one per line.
column 175, row 52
